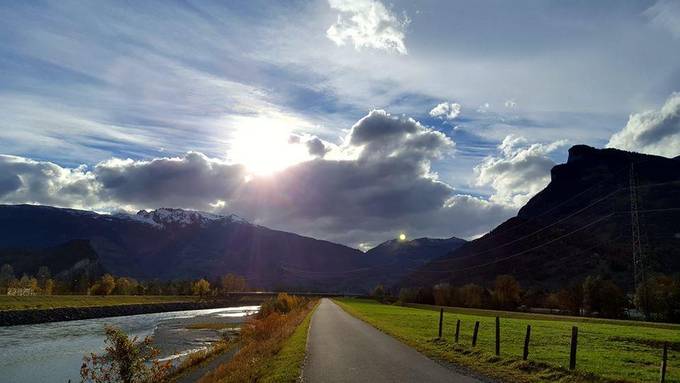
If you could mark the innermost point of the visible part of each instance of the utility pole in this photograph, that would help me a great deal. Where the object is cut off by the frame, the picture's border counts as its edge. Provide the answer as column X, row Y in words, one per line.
column 639, row 264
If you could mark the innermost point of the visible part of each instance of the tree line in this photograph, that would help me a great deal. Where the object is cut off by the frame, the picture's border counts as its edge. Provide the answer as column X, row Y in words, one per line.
column 44, row 283
column 658, row 299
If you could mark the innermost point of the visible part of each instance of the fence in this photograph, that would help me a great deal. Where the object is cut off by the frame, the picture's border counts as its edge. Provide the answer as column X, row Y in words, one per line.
column 527, row 340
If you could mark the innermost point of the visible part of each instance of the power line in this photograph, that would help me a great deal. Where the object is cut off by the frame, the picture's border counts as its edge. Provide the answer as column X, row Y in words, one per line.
column 532, row 233
column 521, row 252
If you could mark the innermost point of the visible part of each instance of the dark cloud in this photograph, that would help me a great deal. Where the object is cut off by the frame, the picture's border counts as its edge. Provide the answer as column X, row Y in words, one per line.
column 377, row 184
column 193, row 180
column 317, row 148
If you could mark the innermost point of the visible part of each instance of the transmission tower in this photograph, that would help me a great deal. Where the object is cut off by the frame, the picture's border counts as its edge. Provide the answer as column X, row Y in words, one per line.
column 639, row 264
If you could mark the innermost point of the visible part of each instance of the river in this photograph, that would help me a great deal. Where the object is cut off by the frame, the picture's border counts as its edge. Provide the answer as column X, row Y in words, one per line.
column 53, row 352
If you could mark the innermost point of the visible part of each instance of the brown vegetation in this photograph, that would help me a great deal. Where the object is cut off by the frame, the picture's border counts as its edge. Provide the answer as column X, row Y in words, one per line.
column 125, row 360
column 262, row 337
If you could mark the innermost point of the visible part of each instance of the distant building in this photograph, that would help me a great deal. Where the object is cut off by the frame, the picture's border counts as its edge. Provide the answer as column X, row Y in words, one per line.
column 20, row 291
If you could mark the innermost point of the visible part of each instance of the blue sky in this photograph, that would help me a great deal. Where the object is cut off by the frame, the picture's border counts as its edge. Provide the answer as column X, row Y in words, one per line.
column 87, row 83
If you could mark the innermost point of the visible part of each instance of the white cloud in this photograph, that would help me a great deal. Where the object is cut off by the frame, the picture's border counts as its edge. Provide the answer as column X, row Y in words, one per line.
column 368, row 24
column 518, row 172
column 653, row 132
column 446, row 110
column 665, row 14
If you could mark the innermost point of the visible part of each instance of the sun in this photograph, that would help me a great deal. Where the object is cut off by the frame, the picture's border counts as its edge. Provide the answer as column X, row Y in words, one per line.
column 264, row 147
column 402, row 237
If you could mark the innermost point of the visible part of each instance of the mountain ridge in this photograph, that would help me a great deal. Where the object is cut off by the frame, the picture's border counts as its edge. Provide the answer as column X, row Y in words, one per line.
column 578, row 225
column 174, row 243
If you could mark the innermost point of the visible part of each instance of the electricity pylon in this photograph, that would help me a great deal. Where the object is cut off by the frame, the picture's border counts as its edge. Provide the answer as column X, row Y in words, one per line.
column 639, row 264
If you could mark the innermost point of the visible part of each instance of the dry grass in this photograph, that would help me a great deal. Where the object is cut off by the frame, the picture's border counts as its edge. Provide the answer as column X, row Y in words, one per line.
column 201, row 357
column 262, row 338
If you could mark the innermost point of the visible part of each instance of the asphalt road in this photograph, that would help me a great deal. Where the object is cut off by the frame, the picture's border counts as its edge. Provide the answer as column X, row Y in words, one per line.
column 342, row 348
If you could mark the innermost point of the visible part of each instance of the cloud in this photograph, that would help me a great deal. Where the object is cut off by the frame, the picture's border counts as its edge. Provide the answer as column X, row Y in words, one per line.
column 192, row 180
column 518, row 172
column 368, row 24
column 446, row 110
column 381, row 135
column 317, row 148
column 27, row 181
column 654, row 131
column 665, row 14
column 385, row 186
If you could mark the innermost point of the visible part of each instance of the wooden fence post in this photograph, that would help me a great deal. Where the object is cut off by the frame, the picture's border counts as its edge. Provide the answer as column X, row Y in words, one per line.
column 664, row 358
column 498, row 336
column 441, row 320
column 457, row 330
column 572, row 354
column 525, row 355
column 474, row 334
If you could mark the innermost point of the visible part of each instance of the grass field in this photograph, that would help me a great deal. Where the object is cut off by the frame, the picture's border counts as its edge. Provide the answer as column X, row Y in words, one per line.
column 286, row 365
column 56, row 301
column 607, row 350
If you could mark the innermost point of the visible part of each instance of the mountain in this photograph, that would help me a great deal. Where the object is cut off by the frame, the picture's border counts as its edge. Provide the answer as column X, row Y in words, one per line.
column 399, row 258
column 579, row 225
column 174, row 243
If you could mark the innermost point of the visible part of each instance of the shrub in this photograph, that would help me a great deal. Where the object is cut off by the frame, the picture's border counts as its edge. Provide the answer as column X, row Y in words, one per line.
column 282, row 304
column 125, row 360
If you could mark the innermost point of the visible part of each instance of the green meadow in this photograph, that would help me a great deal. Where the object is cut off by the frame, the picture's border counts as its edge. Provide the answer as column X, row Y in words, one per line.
column 608, row 350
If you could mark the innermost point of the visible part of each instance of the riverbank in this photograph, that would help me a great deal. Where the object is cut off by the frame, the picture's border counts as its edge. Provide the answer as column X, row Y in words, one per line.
column 8, row 302
column 35, row 316
column 53, row 352
column 272, row 345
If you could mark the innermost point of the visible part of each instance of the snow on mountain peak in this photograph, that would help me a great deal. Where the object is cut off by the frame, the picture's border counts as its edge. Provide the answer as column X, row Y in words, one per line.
column 180, row 217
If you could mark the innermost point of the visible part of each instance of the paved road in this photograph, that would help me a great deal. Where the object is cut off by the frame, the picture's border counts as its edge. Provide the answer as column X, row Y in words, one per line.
column 342, row 348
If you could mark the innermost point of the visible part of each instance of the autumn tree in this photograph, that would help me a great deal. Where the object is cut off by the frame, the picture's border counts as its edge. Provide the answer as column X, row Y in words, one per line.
column 232, row 283
column 613, row 300
column 571, row 298
column 506, row 292
column 125, row 286
column 378, row 292
column 42, row 276
column 104, row 286
column 407, row 295
column 471, row 295
column 201, row 288
column 663, row 297
column 442, row 294
column 6, row 277
column 49, row 287
column 27, row 282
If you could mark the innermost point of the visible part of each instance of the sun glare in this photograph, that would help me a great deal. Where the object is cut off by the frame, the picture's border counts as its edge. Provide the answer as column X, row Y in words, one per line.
column 402, row 237
column 264, row 148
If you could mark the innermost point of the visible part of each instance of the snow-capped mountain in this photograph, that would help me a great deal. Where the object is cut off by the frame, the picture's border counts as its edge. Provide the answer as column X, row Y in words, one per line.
column 175, row 243
column 168, row 217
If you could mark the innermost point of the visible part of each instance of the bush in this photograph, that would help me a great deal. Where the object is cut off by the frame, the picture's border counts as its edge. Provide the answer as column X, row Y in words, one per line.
column 125, row 360
column 282, row 304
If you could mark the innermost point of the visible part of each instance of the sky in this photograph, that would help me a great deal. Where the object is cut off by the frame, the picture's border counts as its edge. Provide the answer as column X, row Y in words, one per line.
column 352, row 121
